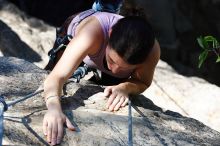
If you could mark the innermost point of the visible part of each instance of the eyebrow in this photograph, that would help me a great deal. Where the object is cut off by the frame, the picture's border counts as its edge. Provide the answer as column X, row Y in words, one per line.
column 111, row 59
column 116, row 63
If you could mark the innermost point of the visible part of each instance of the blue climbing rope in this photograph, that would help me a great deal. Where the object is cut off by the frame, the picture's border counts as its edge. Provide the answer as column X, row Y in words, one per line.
column 130, row 139
column 1, row 120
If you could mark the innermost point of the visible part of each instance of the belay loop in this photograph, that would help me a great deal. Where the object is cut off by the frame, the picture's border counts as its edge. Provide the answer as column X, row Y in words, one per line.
column 63, row 37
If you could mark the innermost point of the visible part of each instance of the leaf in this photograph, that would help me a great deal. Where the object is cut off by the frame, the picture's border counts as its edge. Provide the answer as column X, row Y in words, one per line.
column 215, row 44
column 202, row 57
column 211, row 40
column 205, row 43
column 218, row 59
column 200, row 42
column 208, row 43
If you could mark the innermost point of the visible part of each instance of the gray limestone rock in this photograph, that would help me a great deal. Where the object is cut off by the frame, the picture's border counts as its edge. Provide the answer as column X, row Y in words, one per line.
column 84, row 104
column 28, row 38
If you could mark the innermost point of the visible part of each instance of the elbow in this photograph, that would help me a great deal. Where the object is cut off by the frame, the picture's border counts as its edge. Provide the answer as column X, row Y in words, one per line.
column 143, row 86
column 146, row 85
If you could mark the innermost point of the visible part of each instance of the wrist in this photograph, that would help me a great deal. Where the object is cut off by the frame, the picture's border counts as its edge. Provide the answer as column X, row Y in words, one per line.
column 52, row 97
column 127, row 88
column 53, row 102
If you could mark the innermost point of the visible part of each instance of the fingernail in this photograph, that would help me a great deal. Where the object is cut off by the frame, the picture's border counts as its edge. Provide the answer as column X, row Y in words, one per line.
column 72, row 129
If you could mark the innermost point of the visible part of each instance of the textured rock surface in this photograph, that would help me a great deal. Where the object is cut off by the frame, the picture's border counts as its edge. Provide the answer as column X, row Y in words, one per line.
column 85, row 106
column 192, row 97
column 23, row 36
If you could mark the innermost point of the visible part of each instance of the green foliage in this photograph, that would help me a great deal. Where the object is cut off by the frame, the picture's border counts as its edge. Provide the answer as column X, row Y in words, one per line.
column 208, row 44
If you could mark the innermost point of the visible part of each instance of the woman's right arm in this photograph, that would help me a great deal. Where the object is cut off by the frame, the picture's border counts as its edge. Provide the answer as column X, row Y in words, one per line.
column 87, row 40
column 54, row 117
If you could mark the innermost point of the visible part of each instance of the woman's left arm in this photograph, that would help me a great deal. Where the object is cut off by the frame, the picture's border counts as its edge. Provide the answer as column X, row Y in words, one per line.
column 140, row 80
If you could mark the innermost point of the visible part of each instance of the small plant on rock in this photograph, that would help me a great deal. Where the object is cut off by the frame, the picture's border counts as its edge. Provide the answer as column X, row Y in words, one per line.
column 208, row 44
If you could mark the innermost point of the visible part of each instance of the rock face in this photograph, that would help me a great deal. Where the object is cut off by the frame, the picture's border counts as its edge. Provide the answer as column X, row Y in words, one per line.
column 191, row 96
column 23, row 36
column 53, row 14
column 177, row 24
column 30, row 39
column 85, row 107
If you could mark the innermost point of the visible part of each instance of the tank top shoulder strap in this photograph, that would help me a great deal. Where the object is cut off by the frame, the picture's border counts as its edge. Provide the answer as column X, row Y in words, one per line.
column 85, row 14
column 77, row 19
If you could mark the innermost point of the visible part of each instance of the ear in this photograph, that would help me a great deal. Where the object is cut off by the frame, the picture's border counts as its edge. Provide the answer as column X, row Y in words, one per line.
column 109, row 32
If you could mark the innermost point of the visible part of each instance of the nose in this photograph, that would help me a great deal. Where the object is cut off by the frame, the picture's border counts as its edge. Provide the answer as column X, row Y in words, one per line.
column 114, row 68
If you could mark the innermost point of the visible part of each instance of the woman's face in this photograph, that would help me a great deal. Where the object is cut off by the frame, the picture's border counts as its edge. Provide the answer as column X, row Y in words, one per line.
column 115, row 63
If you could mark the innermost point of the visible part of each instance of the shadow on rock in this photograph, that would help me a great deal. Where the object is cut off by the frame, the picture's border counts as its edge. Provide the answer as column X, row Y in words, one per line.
column 146, row 103
column 79, row 95
column 12, row 45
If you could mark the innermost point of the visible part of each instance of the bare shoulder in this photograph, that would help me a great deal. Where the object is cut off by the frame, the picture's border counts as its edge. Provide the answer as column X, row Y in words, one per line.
column 144, row 72
column 90, row 25
column 154, row 55
column 91, row 28
column 153, row 58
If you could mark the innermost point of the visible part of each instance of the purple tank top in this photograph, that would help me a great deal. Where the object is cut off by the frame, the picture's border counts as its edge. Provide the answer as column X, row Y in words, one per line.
column 107, row 20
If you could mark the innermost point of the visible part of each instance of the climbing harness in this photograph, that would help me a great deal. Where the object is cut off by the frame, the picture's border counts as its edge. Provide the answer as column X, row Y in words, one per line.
column 62, row 43
column 63, row 37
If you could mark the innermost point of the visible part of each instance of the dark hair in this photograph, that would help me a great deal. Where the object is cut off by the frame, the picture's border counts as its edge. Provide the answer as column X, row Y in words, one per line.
column 132, row 38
